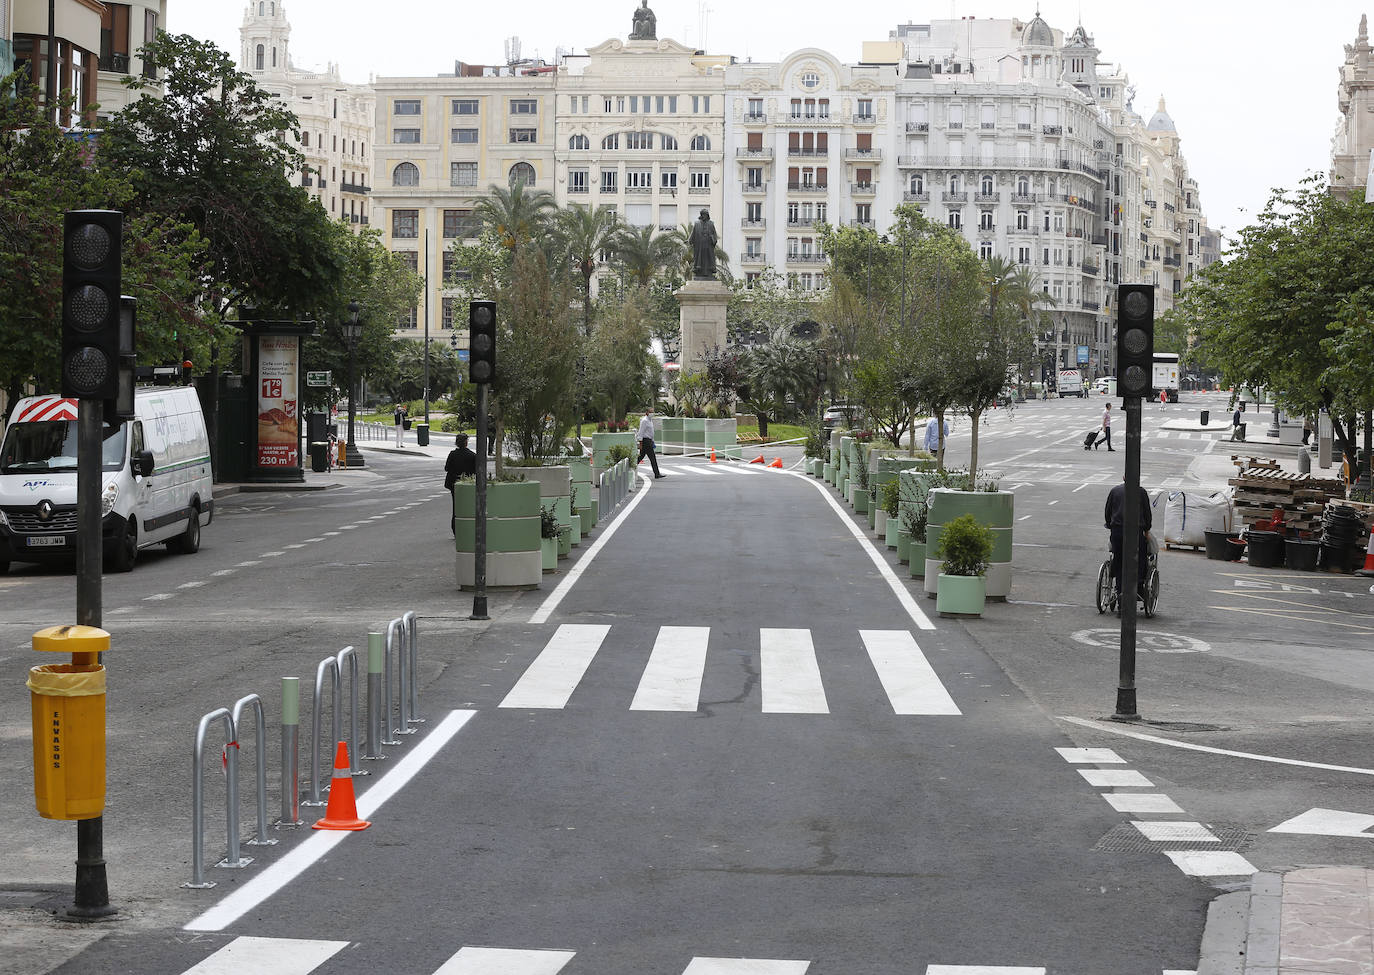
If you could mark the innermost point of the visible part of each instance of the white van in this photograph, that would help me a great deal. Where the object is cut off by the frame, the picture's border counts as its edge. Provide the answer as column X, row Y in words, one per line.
column 156, row 484
column 1071, row 383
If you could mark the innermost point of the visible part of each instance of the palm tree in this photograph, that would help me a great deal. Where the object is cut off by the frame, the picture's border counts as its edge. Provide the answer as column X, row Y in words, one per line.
column 642, row 254
column 517, row 215
column 586, row 235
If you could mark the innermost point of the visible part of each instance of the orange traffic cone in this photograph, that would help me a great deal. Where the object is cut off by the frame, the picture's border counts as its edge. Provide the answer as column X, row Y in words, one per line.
column 713, row 455
column 1368, row 569
column 342, row 811
column 757, row 460
column 777, row 462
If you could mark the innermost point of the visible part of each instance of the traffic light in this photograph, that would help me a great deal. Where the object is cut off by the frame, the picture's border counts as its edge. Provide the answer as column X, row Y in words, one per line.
column 122, row 407
column 91, row 246
column 1135, row 339
column 482, row 341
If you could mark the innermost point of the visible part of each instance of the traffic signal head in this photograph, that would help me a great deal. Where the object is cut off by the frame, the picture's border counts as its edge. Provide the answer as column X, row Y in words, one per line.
column 91, row 248
column 482, row 341
column 1135, row 339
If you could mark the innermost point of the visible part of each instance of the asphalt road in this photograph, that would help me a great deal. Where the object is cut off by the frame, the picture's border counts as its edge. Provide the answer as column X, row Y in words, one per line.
column 730, row 739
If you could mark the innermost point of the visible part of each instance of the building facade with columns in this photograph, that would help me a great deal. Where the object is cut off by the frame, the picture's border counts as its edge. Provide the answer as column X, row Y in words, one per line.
column 1351, row 148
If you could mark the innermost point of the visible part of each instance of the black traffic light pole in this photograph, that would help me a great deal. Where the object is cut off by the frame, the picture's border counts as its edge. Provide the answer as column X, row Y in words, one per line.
column 1135, row 362
column 482, row 370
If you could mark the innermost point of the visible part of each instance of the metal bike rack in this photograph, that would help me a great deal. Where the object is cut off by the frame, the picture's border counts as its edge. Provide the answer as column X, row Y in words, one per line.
column 330, row 666
column 396, row 637
column 260, row 755
column 232, row 859
column 349, row 654
column 408, row 620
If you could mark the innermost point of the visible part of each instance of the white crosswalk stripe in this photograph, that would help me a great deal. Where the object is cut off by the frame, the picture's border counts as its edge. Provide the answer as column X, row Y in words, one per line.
column 789, row 672
column 281, row 956
column 745, row 966
column 505, row 961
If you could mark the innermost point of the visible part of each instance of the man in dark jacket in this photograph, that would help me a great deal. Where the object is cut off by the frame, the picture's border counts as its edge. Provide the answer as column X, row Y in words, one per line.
column 461, row 462
column 1112, row 515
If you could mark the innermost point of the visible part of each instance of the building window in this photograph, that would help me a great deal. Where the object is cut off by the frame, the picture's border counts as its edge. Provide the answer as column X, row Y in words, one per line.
column 462, row 174
column 985, row 220
column 524, row 135
column 918, row 183
column 700, row 143
column 408, row 319
column 865, row 108
column 668, row 179
column 259, row 58
column 522, row 173
column 1023, row 255
column 753, row 177
column 755, row 108
column 1023, row 220
column 956, row 219
column 669, row 142
column 405, row 223
column 461, row 223
column 609, row 180
column 579, row 142
column 1022, row 186
column 863, row 213
column 577, row 181
column 463, row 136
column 985, row 250
column 405, row 174
column 524, row 106
column 405, row 136
column 464, row 106
column 753, row 212
column 405, row 106
column 701, row 179
column 611, row 141
column 985, row 186
column 667, row 216
column 639, row 179
column 701, row 104
column 639, row 140
column 448, row 305
column 810, row 79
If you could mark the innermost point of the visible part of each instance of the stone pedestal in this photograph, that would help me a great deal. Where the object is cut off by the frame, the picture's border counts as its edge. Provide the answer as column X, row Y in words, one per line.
column 702, row 320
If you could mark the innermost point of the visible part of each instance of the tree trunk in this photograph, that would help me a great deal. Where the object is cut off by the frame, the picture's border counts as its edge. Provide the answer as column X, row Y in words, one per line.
column 763, row 424
column 940, row 445
column 973, row 449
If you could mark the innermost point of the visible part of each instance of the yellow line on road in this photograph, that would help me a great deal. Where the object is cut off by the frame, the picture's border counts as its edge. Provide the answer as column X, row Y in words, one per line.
column 1306, row 607
column 1295, row 617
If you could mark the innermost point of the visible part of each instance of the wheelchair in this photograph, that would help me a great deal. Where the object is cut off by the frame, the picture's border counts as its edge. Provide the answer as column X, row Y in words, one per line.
column 1109, row 599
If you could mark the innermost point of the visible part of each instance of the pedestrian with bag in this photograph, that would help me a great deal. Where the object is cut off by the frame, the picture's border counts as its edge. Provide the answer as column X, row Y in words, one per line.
column 461, row 462
column 400, row 417
column 645, row 436
column 1106, row 430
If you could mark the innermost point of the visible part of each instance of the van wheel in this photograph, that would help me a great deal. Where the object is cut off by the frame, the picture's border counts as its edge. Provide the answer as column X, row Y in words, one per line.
column 126, row 550
column 188, row 542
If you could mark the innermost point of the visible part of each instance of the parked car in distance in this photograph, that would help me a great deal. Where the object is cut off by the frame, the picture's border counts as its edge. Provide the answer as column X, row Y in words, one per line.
column 1106, row 385
column 839, row 414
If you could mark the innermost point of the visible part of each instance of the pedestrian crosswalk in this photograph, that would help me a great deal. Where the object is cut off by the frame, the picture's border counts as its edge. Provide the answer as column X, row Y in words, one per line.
column 789, row 668
column 290, row 956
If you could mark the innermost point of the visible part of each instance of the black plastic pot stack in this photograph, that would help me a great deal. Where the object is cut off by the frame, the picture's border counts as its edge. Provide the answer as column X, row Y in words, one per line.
column 1341, row 532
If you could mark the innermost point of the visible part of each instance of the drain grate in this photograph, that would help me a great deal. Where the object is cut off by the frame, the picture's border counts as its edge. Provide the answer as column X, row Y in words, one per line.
column 1186, row 727
column 1127, row 838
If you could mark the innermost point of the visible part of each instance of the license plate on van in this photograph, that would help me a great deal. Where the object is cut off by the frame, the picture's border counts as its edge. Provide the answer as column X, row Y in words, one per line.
column 46, row 541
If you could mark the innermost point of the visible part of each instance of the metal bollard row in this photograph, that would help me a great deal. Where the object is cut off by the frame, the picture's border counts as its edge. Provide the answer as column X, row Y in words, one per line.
column 613, row 487
column 402, row 634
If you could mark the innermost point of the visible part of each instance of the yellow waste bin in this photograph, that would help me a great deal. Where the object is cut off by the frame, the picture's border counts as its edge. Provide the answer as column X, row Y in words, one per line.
column 68, row 740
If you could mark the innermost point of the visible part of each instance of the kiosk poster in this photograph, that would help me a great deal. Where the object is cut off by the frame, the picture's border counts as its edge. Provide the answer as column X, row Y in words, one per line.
column 278, row 418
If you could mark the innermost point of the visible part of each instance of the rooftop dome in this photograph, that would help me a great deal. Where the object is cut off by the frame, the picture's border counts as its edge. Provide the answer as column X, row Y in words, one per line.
column 1037, row 33
column 1160, row 121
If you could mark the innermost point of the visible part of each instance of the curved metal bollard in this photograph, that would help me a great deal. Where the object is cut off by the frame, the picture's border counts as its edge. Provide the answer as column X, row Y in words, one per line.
column 349, row 654
column 329, row 665
column 198, row 880
column 396, row 637
column 408, row 620
column 260, row 729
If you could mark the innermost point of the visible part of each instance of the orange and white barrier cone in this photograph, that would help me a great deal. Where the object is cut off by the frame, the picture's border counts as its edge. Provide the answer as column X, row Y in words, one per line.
column 777, row 462
column 757, row 460
column 342, row 811
column 1368, row 569
column 713, row 455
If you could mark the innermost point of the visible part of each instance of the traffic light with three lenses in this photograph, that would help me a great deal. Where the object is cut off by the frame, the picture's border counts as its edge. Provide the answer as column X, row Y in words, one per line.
column 1135, row 339
column 482, row 341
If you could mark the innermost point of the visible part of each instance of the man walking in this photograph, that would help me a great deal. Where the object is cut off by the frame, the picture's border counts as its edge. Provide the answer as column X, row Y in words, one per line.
column 461, row 462
column 933, row 437
column 400, row 417
column 645, row 435
column 1106, row 429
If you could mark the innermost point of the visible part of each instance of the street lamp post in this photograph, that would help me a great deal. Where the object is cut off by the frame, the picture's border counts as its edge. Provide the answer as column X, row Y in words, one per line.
column 352, row 330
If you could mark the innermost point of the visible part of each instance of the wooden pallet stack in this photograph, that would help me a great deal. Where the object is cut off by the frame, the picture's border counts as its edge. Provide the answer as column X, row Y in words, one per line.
column 1261, row 486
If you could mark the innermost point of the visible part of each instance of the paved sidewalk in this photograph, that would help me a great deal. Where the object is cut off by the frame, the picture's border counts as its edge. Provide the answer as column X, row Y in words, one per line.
column 1303, row 921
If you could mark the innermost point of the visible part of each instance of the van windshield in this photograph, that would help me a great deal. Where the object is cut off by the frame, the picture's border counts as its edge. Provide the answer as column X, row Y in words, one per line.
column 48, row 446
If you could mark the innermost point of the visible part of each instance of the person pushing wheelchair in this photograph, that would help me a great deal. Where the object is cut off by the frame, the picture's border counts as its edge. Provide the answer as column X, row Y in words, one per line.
column 1116, row 505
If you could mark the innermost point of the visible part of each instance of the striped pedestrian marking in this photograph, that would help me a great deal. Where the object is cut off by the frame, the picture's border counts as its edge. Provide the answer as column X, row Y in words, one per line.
column 1211, row 863
column 505, row 961
column 555, row 673
column 672, row 680
column 790, row 676
column 906, row 675
column 281, row 956
column 980, row 970
column 745, row 966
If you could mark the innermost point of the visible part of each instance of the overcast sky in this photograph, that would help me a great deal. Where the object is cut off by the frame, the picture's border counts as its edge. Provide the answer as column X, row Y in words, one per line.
column 1251, row 86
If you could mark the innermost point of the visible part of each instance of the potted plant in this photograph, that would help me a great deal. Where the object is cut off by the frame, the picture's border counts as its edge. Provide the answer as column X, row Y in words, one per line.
column 549, row 530
column 858, row 481
column 914, row 519
column 888, row 496
column 965, row 547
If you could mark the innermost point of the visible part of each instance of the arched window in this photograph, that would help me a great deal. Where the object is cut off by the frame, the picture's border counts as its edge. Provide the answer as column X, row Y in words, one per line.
column 700, row 143
column 272, row 8
column 669, row 141
column 579, row 142
column 405, row 174
column 522, row 173
column 262, row 8
column 985, row 186
column 1022, row 186
column 954, row 183
column 918, row 183
column 261, row 57
column 305, row 138
column 274, row 57
column 611, row 141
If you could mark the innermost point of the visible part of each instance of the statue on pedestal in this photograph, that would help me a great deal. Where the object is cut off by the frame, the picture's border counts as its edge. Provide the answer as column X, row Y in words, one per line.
column 703, row 244
column 645, row 24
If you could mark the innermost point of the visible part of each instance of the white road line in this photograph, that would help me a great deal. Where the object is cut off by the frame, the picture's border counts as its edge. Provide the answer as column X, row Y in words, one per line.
column 295, row 545
column 328, row 534
column 1079, row 488
column 195, row 584
column 672, row 680
column 1141, row 802
column 1190, row 746
column 1210, row 863
column 789, row 674
column 710, row 472
column 549, row 681
column 281, row 956
column 898, row 588
column 269, row 555
column 250, row 562
column 911, row 683
column 745, row 966
column 158, row 595
column 1023, row 518
column 505, row 961
column 256, row 890
column 1021, row 485
column 547, row 607
column 317, row 539
column 1115, row 778
column 1054, row 502
column 1175, row 832
column 980, row 970
column 1091, row 756
column 223, row 572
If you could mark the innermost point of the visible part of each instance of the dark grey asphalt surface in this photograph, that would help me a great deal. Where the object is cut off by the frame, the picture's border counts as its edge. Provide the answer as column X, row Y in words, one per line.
column 858, row 840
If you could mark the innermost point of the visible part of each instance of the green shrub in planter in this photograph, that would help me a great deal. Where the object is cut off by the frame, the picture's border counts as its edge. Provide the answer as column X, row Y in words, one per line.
column 619, row 452
column 965, row 547
column 891, row 494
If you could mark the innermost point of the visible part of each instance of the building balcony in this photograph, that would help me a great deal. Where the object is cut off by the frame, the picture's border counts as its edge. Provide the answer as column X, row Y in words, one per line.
column 1100, row 240
column 954, row 125
column 863, row 189
column 1023, row 197
column 1151, row 204
column 115, row 62
column 698, row 190
column 667, row 191
column 577, row 189
column 808, row 187
column 913, row 196
column 754, row 152
column 754, row 257
column 867, row 119
column 797, row 152
column 862, row 224
column 918, row 126
column 1174, row 261
column 748, row 224
column 755, row 188
column 1029, row 229
column 755, row 118
column 1052, row 129
column 810, row 118
column 1090, row 305
column 959, row 197
column 354, row 188
column 323, row 183
column 364, row 221
column 985, row 198
column 1091, row 269
column 639, row 189
column 803, row 258
column 801, row 223
column 987, row 125
column 1074, row 232
column 863, row 155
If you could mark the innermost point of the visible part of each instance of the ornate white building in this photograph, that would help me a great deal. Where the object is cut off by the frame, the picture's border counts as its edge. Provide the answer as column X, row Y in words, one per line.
column 1354, row 139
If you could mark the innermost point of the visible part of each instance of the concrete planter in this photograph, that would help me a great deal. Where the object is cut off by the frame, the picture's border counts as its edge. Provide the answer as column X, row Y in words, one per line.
column 894, row 525
column 903, row 546
column 581, row 470
column 917, row 560
column 548, row 554
column 960, row 596
column 880, row 520
column 672, row 435
column 601, row 448
column 589, row 517
column 997, row 511
column 514, row 548
column 873, row 509
column 858, row 498
column 828, row 472
column 555, row 494
column 694, row 435
column 722, row 436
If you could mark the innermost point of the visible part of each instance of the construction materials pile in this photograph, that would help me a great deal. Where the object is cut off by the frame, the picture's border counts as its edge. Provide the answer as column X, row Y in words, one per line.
column 1263, row 490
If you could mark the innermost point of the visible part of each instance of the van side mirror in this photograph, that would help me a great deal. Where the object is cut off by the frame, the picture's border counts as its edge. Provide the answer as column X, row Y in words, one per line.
column 143, row 464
